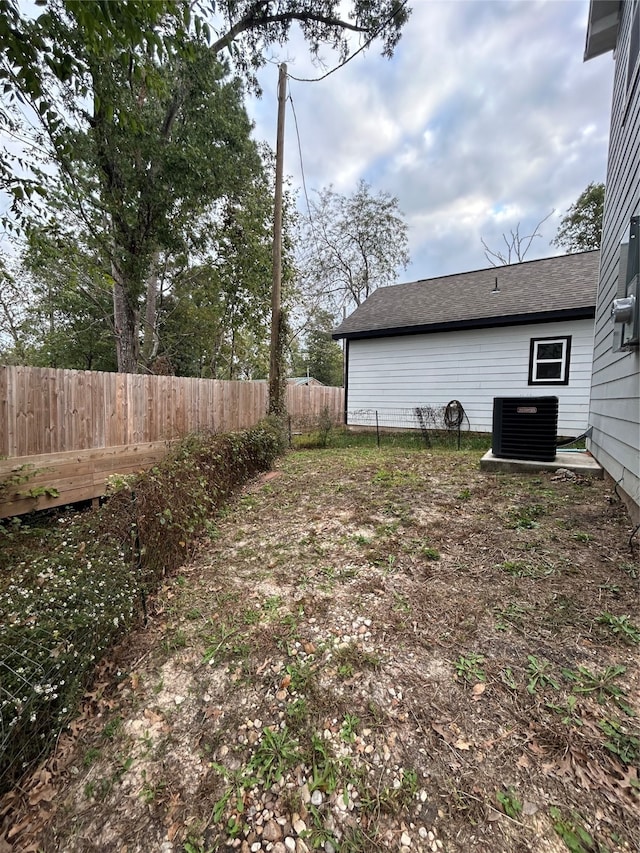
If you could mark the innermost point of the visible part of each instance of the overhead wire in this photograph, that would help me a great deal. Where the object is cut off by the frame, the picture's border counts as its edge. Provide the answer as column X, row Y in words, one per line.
column 362, row 47
column 304, row 182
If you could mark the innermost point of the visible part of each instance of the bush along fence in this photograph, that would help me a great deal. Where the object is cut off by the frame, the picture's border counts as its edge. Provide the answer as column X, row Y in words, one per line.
column 63, row 433
column 64, row 604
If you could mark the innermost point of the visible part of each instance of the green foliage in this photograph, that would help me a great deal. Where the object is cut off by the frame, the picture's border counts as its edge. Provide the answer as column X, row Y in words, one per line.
column 321, row 357
column 601, row 685
column 511, row 805
column 349, row 727
column 325, row 769
column 275, row 754
column 620, row 742
column 622, row 627
column 430, row 553
column 198, row 475
column 525, row 517
column 318, row 430
column 144, row 136
column 68, row 303
column 470, row 668
column 572, row 831
column 581, row 227
column 540, row 674
column 399, row 800
column 62, row 606
column 20, row 475
column 60, row 611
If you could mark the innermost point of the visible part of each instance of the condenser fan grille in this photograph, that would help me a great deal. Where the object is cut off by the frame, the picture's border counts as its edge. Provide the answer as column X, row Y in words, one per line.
column 525, row 428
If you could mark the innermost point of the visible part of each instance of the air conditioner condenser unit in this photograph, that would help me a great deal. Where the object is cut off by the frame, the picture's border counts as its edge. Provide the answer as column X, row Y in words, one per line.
column 525, row 428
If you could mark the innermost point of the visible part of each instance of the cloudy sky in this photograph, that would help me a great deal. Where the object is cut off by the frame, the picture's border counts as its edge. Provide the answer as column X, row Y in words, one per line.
column 486, row 117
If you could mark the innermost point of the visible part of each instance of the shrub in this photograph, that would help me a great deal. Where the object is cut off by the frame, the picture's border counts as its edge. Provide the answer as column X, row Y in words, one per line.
column 61, row 610
column 160, row 513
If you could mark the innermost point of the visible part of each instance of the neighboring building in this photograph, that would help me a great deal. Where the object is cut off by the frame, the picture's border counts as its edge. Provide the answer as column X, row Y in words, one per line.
column 615, row 385
column 304, row 380
column 519, row 330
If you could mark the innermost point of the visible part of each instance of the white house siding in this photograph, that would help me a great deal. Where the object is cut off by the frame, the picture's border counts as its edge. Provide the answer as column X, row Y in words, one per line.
column 615, row 388
column 472, row 366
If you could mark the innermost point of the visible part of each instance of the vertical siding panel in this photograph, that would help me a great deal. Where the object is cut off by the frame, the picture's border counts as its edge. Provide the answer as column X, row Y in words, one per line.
column 4, row 411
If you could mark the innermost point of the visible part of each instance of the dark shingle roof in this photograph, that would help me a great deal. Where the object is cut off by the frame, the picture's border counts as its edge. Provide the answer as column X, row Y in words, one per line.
column 533, row 291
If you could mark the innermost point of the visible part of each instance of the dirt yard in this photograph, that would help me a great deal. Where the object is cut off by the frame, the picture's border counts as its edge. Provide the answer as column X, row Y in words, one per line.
column 374, row 650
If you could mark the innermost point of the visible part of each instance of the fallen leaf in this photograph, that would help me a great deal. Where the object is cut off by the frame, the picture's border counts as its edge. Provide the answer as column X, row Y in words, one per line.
column 462, row 744
column 42, row 794
column 153, row 716
column 535, row 747
column 478, row 690
column 286, row 681
column 529, row 808
column 630, row 778
column 443, row 730
column 523, row 761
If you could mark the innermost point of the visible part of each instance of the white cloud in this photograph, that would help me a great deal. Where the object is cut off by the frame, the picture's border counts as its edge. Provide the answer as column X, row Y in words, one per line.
column 485, row 117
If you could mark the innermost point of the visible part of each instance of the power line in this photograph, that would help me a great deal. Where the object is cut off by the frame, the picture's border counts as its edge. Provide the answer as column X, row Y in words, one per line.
column 304, row 182
column 353, row 55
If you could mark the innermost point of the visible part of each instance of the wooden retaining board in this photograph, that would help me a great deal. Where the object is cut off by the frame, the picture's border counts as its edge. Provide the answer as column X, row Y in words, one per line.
column 77, row 475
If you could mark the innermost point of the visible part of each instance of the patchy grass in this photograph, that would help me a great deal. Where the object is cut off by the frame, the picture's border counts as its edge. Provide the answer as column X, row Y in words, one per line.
column 374, row 647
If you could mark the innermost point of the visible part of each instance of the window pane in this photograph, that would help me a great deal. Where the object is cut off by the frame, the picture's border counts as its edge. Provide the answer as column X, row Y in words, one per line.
column 550, row 350
column 549, row 371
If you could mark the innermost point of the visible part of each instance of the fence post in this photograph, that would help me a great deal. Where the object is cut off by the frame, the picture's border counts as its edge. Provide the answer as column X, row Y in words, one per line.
column 377, row 429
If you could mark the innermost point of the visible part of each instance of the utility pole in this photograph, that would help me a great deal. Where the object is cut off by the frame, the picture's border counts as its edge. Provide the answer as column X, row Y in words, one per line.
column 277, row 402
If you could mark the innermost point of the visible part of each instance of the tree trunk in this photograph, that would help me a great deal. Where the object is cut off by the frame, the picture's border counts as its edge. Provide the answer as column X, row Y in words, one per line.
column 125, row 320
column 150, row 337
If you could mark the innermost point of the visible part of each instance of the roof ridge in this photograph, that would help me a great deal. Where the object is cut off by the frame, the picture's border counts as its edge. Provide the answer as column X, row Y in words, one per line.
column 567, row 255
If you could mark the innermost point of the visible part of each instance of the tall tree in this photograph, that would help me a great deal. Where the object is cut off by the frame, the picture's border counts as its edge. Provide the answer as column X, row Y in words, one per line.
column 69, row 309
column 37, row 56
column 149, row 167
column 104, row 70
column 581, row 227
column 213, row 319
column 353, row 245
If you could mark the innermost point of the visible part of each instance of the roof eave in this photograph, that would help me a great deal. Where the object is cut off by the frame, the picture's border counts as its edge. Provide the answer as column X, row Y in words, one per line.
column 602, row 27
column 585, row 313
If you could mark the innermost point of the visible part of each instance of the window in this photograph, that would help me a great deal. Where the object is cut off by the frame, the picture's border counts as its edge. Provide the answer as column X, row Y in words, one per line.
column 549, row 361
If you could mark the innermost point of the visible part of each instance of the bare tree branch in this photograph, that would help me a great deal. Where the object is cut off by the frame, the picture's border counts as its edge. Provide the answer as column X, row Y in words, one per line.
column 517, row 245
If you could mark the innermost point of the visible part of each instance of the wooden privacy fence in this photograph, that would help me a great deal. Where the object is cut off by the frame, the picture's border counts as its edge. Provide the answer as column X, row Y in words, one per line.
column 68, row 430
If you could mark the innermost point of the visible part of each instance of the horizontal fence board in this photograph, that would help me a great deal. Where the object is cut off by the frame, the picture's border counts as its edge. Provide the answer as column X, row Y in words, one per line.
column 77, row 427
column 77, row 475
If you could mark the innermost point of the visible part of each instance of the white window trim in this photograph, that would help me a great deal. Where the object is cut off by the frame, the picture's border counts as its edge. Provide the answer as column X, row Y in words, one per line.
column 563, row 361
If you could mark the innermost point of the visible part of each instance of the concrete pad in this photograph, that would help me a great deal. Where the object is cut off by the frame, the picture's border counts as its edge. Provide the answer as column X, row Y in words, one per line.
column 581, row 462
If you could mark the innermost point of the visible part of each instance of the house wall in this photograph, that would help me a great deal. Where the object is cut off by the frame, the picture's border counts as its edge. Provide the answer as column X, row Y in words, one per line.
column 615, row 389
column 472, row 366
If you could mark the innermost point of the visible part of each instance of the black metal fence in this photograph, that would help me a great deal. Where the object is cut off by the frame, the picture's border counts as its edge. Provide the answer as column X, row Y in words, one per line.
column 450, row 420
